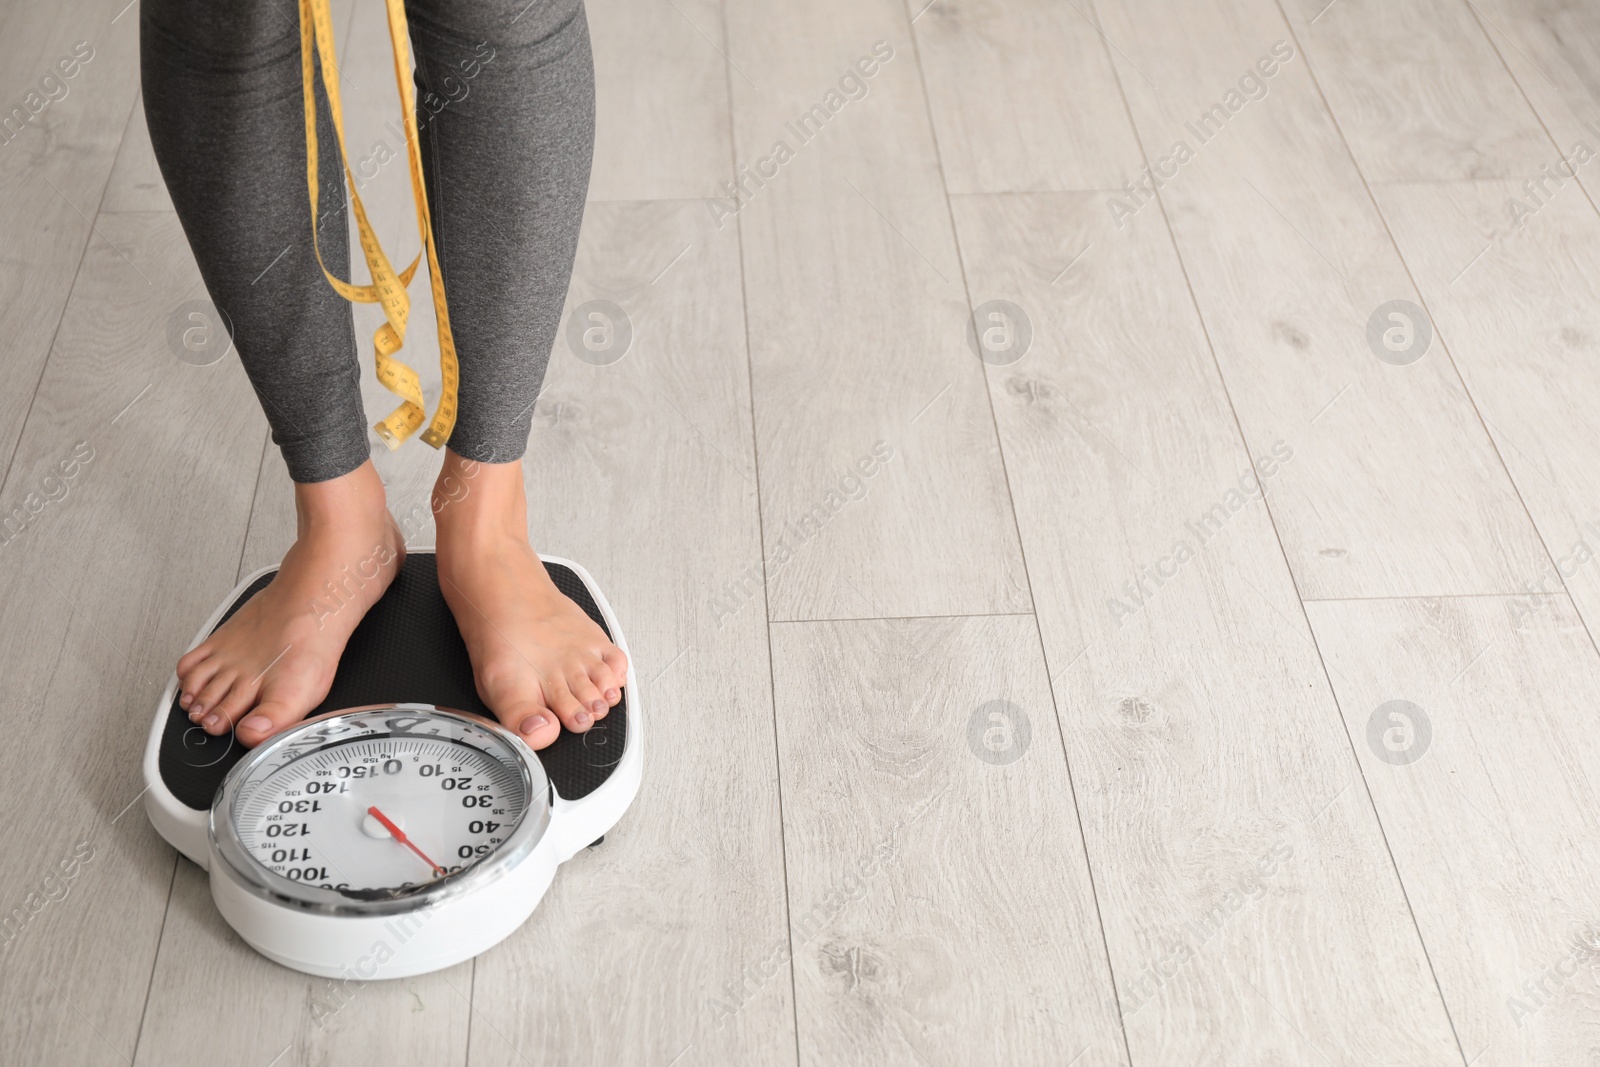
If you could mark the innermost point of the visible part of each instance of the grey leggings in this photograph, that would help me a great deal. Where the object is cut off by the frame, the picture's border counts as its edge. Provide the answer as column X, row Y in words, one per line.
column 505, row 108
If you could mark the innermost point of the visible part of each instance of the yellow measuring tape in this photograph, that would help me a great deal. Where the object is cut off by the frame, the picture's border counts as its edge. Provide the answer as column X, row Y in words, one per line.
column 387, row 289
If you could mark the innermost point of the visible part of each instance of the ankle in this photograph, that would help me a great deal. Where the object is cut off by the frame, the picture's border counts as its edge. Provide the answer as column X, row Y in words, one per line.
column 338, row 503
column 474, row 502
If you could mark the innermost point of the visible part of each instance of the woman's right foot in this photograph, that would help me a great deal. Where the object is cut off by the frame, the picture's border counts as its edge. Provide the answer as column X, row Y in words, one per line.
column 274, row 660
column 539, row 661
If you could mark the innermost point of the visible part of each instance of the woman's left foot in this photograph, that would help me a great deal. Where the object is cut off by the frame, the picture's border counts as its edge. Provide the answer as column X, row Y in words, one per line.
column 539, row 661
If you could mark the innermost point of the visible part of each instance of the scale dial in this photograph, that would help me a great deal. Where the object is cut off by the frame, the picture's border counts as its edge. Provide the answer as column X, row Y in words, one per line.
column 380, row 809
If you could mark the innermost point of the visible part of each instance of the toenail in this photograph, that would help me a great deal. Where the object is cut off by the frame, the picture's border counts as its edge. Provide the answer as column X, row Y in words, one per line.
column 612, row 696
column 583, row 718
column 213, row 720
column 257, row 722
column 597, row 707
column 530, row 725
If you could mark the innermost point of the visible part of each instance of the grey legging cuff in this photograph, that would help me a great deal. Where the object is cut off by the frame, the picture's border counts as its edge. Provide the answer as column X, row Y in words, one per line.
column 505, row 108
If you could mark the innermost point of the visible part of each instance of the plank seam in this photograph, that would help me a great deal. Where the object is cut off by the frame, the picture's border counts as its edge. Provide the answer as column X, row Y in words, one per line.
column 83, row 252
column 761, row 542
column 1244, row 442
column 1016, row 527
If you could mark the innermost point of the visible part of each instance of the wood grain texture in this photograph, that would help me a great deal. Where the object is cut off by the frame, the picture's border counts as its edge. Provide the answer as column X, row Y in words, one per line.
column 135, row 183
column 1395, row 488
column 1250, row 907
column 107, row 579
column 1486, row 789
column 858, row 322
column 1419, row 90
column 940, row 904
column 53, row 171
column 661, row 100
column 1023, row 97
column 1514, row 296
column 205, row 973
column 1225, row 816
column 642, row 471
column 1552, row 48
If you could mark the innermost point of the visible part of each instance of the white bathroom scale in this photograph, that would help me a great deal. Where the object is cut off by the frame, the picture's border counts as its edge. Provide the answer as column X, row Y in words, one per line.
column 399, row 828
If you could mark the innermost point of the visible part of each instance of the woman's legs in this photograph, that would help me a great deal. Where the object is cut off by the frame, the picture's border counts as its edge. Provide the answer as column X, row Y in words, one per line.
column 506, row 118
column 223, row 101
column 506, row 113
column 222, row 96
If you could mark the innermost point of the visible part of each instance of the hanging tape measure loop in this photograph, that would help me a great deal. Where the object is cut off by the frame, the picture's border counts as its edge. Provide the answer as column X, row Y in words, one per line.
column 387, row 289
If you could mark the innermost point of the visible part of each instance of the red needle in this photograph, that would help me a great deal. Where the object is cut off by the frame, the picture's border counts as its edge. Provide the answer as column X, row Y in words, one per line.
column 400, row 836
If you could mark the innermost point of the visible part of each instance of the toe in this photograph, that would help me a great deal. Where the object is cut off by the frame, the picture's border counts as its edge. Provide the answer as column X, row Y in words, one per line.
column 268, row 717
column 193, row 658
column 617, row 660
column 587, row 694
column 532, row 721
column 573, row 715
column 212, row 694
column 237, row 702
column 195, row 678
column 607, row 681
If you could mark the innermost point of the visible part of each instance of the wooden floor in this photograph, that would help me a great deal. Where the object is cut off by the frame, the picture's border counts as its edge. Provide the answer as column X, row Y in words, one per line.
column 1206, row 675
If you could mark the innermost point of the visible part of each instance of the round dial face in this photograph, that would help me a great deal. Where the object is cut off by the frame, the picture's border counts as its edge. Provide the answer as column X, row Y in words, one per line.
column 375, row 804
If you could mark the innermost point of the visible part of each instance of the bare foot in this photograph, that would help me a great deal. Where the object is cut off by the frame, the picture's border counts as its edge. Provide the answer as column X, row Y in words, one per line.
column 275, row 658
column 539, row 661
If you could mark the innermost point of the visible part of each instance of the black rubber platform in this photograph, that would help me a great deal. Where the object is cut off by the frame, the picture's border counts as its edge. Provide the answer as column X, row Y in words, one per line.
column 406, row 650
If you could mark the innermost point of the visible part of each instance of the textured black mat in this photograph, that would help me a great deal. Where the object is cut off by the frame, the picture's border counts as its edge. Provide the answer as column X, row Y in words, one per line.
column 407, row 649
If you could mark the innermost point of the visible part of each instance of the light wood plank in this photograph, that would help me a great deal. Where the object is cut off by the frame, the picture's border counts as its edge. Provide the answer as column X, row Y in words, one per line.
column 858, row 323
column 1552, row 48
column 1419, row 90
column 1516, row 301
column 661, row 100
column 1486, row 791
column 113, row 575
column 940, row 904
column 1251, row 911
column 1203, row 737
column 272, row 517
column 642, row 471
column 136, row 183
column 205, row 972
column 1395, row 488
column 53, row 171
column 1023, row 97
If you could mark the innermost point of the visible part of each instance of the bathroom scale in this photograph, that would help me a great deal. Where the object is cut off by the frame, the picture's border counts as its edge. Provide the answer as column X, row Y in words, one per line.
column 398, row 828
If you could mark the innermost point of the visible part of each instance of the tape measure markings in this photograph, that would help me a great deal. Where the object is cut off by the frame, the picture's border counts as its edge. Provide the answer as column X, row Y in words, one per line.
column 387, row 289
